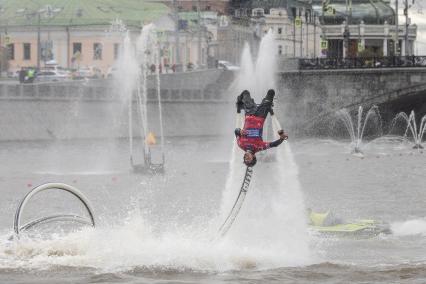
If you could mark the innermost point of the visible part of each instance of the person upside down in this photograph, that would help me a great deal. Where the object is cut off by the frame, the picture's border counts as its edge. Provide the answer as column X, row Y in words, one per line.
column 250, row 137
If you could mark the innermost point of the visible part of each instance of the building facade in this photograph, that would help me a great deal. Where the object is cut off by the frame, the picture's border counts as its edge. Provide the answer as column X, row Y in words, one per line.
column 294, row 24
column 355, row 27
column 72, row 47
column 219, row 6
column 73, row 34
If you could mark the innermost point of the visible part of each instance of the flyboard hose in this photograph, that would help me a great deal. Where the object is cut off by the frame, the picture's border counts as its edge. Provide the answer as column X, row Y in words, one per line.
column 241, row 195
column 238, row 203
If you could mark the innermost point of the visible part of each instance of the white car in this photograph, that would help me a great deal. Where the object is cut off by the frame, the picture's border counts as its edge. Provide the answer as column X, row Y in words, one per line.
column 112, row 72
column 226, row 65
column 51, row 76
column 90, row 72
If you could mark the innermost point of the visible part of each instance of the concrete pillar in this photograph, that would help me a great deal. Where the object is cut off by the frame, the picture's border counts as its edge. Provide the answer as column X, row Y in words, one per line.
column 385, row 47
column 362, row 33
column 385, row 40
column 403, row 48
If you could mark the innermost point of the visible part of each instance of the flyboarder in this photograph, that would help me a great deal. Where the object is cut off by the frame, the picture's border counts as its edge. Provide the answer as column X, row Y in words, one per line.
column 250, row 137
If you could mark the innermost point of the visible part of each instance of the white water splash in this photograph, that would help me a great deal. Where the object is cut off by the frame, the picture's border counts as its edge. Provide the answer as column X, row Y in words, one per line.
column 136, row 244
column 409, row 228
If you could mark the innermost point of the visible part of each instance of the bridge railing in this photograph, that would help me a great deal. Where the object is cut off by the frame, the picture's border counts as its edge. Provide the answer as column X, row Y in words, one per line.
column 362, row 62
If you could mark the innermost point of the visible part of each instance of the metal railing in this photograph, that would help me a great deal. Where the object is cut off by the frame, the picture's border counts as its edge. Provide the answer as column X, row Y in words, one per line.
column 362, row 62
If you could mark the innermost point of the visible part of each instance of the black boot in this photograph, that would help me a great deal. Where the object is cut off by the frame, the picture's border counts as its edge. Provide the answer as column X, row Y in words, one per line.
column 270, row 96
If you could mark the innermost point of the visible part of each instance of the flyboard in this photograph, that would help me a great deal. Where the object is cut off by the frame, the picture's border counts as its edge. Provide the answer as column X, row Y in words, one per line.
column 227, row 224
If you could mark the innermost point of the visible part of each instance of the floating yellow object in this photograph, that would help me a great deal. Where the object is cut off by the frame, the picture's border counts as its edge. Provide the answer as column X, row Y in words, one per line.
column 150, row 139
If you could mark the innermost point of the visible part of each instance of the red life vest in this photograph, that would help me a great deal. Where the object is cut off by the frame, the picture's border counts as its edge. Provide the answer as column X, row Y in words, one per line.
column 252, row 134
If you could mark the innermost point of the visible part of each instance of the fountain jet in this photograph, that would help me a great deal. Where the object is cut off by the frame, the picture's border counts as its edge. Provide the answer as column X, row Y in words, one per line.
column 416, row 132
column 356, row 132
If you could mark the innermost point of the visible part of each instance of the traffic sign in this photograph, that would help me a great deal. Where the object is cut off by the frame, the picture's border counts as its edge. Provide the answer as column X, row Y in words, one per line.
column 298, row 22
column 324, row 44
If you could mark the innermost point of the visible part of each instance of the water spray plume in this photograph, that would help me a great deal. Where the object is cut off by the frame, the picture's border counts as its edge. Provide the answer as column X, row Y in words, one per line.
column 274, row 202
column 356, row 132
column 416, row 132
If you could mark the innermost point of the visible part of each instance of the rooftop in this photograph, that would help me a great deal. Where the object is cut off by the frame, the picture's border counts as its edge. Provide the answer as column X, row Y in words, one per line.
column 78, row 12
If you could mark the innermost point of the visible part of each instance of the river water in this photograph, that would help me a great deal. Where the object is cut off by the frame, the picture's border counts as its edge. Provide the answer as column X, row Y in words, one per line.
column 159, row 229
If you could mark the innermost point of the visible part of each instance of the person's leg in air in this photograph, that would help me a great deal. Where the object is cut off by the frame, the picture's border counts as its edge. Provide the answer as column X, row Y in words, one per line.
column 245, row 102
column 266, row 106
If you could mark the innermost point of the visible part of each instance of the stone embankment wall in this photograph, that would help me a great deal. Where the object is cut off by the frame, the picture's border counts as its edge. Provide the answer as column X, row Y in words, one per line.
column 309, row 96
column 194, row 104
column 198, row 103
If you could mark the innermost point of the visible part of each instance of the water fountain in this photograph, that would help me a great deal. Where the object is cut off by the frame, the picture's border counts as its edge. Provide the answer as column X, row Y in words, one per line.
column 135, row 74
column 356, row 132
column 416, row 132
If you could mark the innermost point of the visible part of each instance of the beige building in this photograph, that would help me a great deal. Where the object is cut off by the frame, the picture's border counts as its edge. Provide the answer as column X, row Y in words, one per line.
column 70, row 48
column 72, row 33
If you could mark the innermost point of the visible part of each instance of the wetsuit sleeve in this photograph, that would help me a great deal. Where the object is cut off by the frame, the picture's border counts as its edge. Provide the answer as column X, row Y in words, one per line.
column 276, row 143
column 267, row 145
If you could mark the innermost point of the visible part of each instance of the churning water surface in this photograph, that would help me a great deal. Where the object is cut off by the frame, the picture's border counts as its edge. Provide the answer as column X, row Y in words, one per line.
column 159, row 229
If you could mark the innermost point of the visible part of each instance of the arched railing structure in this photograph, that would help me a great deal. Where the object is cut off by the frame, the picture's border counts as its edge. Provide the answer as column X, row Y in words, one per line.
column 90, row 221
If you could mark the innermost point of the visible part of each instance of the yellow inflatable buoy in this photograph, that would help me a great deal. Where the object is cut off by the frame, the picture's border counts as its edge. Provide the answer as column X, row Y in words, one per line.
column 150, row 139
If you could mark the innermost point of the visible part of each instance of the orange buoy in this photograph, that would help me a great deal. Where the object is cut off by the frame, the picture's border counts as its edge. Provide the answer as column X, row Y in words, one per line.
column 150, row 139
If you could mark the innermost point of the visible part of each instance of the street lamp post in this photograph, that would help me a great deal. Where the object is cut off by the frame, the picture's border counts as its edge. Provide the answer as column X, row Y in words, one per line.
column 396, row 29
column 38, row 41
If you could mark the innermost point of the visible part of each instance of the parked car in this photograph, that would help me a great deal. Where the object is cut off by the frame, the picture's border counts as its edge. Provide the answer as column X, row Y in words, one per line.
column 50, row 76
column 56, row 68
column 112, row 72
column 88, row 73
column 226, row 65
column 13, row 74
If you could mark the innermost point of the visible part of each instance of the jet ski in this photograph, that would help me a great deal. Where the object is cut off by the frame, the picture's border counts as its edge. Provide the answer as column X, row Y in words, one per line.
column 327, row 224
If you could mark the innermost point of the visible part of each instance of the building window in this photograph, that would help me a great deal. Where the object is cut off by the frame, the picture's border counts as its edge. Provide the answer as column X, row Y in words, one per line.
column 280, row 49
column 194, row 8
column 97, row 51
column 27, row 51
column 46, row 50
column 76, row 48
column 208, row 8
column 258, row 12
column 11, row 51
column 116, row 50
column 280, row 31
